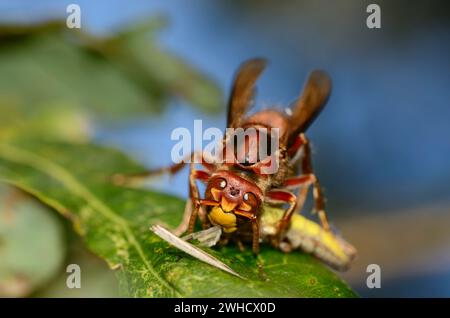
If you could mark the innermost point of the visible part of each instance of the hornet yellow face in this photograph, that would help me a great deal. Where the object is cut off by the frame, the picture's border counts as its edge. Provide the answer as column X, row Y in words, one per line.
column 236, row 197
column 227, row 220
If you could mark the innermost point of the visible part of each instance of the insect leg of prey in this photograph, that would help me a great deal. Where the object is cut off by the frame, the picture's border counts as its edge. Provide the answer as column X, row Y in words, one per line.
column 191, row 249
column 208, row 237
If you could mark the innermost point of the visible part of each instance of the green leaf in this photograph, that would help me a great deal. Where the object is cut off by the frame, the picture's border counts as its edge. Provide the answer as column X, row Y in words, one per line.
column 62, row 120
column 114, row 222
column 48, row 65
column 32, row 248
column 97, row 280
column 143, row 62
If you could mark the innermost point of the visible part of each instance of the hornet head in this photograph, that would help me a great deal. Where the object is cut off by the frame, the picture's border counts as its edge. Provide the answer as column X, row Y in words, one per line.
column 235, row 196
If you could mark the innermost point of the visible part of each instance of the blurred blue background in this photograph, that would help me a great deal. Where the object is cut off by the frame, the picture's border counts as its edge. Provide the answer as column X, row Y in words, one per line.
column 381, row 147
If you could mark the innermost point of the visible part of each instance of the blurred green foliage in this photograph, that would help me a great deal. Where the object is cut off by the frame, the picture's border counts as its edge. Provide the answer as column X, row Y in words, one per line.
column 128, row 74
column 32, row 245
